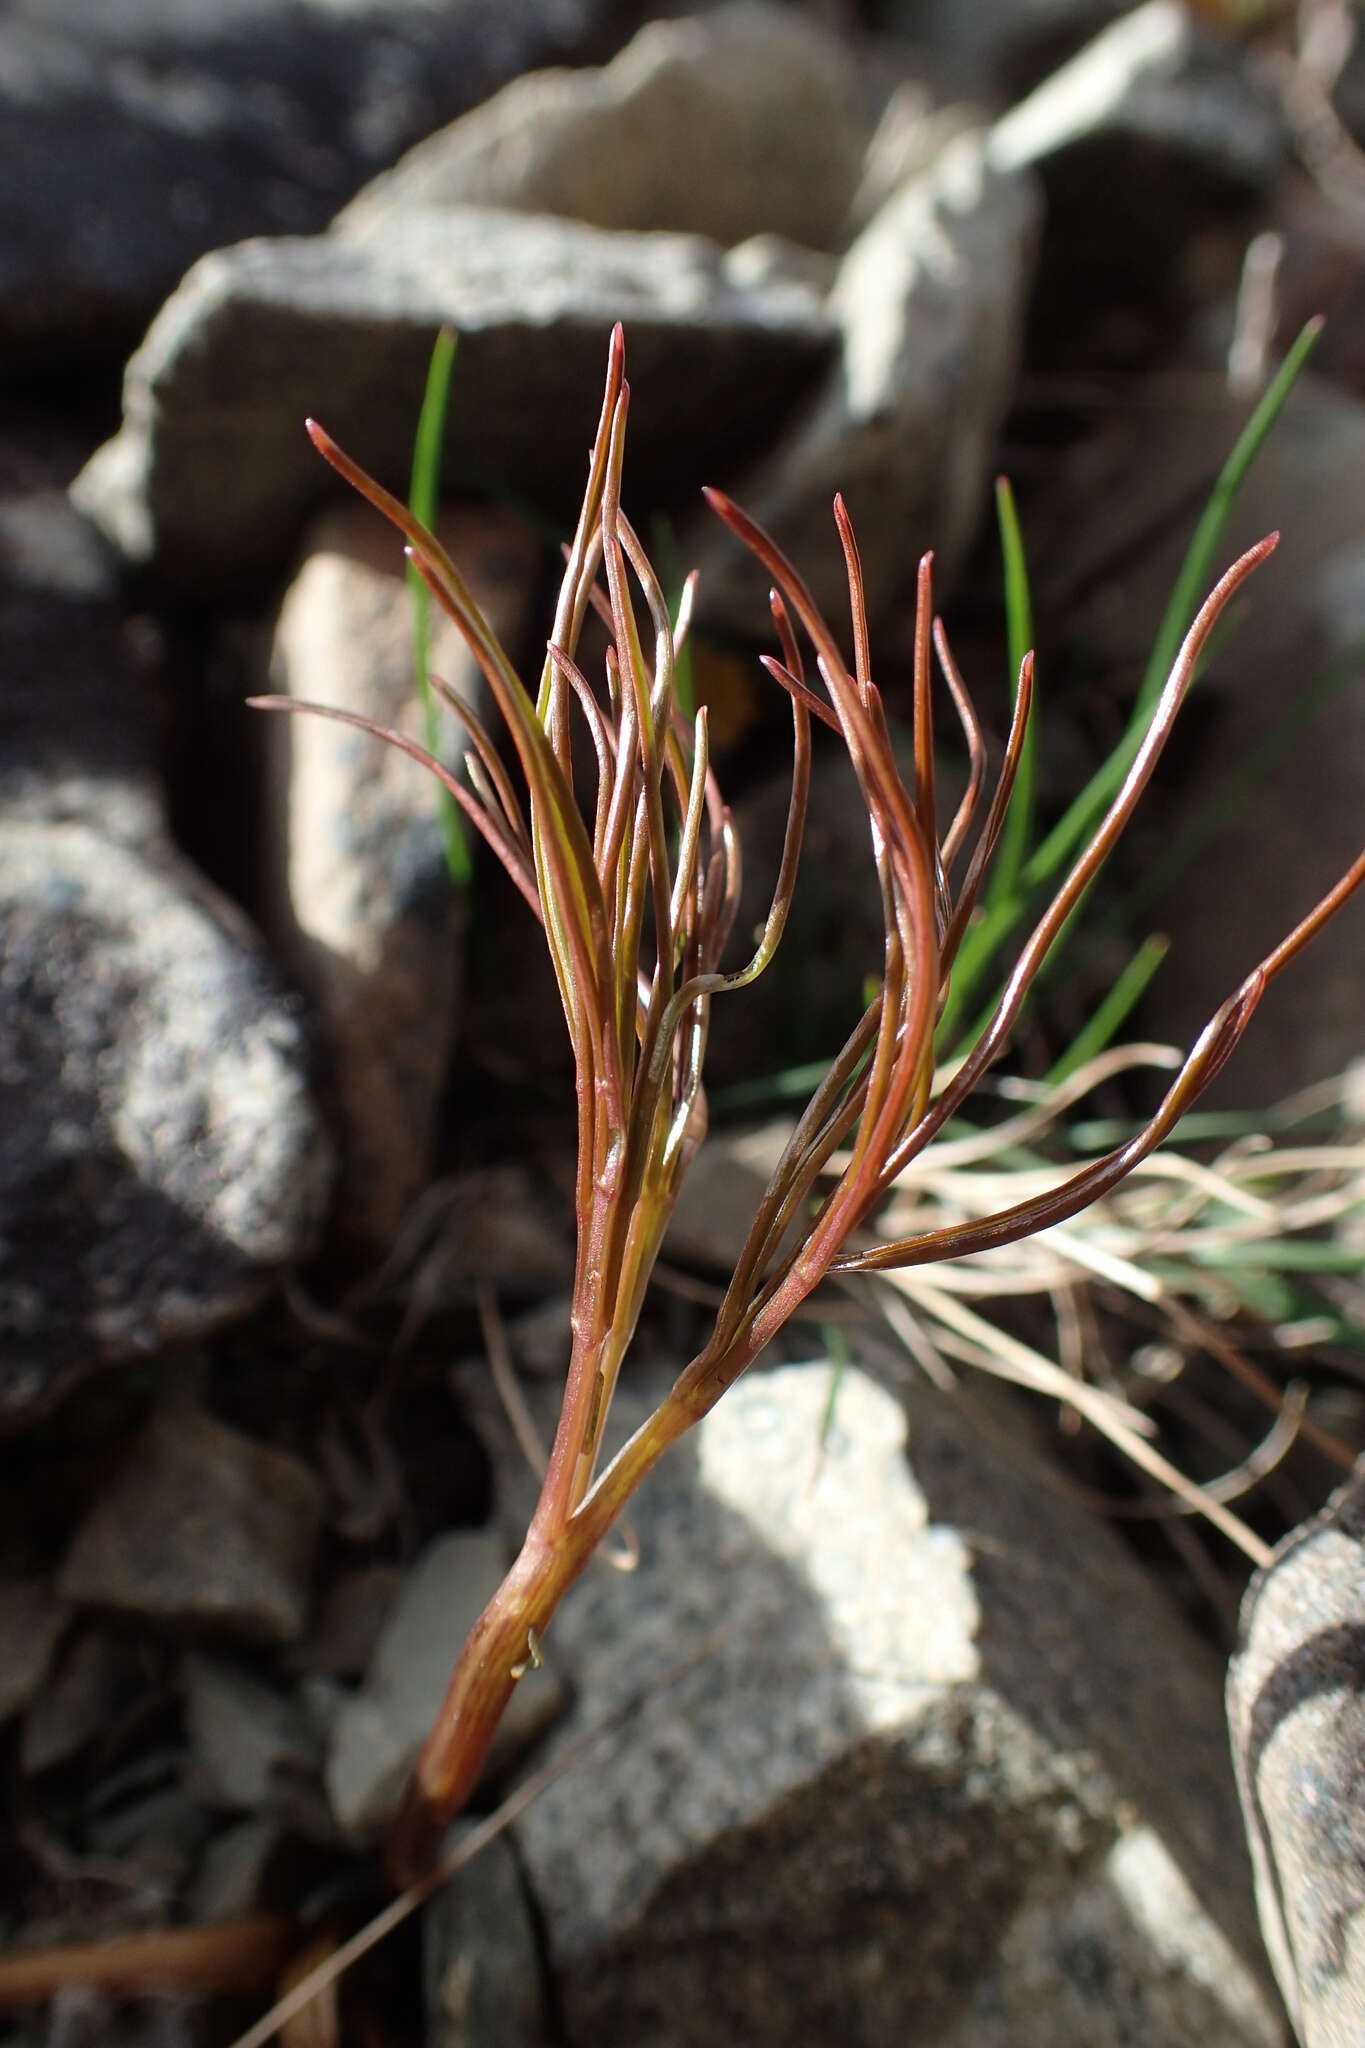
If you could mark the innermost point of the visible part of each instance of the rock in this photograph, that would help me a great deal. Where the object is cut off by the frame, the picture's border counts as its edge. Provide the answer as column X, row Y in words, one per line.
column 261, row 334
column 1113, row 525
column 353, row 1611
column 202, row 1529
column 911, row 133
column 922, row 1783
column 93, row 1685
column 481, row 1975
column 82, row 2017
column 160, row 1158
column 1145, row 143
column 156, row 1838
column 243, row 1735
column 929, row 301
column 503, row 1225
column 231, row 1881
column 32, row 1622
column 85, row 715
column 150, row 133
column 742, row 121
column 1296, row 1707
column 542, row 1337
column 379, row 1733
column 1013, row 42
column 366, row 915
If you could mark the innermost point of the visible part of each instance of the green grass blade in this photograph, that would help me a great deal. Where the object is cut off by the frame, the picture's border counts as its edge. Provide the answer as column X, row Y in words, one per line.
column 1288, row 1256
column 836, row 1345
column 1190, row 585
column 1004, row 901
column 1113, row 1012
column 1002, row 909
column 422, row 499
column 672, row 576
column 1018, row 827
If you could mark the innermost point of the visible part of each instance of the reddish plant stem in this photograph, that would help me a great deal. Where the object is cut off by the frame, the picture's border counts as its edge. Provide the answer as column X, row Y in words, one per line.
column 501, row 1642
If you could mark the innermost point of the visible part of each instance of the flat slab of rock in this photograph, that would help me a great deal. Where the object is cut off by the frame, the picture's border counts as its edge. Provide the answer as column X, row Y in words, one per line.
column 747, row 120
column 211, row 477
column 152, row 130
column 1296, row 1706
column 160, row 1156
column 950, row 1770
column 200, row 1528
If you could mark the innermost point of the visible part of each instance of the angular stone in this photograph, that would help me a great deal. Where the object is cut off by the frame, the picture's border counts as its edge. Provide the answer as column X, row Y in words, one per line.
column 149, row 133
column 243, row 1734
column 1007, row 41
column 261, row 334
column 1149, row 142
column 32, row 1621
column 1116, row 524
column 481, row 1976
column 1154, row 78
column 92, row 749
column 930, row 301
column 1296, row 1707
column 762, row 106
column 352, row 1613
column 160, row 1157
column 380, row 1731
column 364, row 911
column 203, row 1529
column 231, row 1881
column 947, row 1768
column 95, row 1680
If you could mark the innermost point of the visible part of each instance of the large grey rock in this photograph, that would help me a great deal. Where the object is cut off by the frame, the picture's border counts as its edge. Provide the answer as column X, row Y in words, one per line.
column 261, row 334
column 202, row 1529
column 151, row 130
column 744, row 121
column 365, row 913
column 379, row 1732
column 1296, row 1706
column 951, row 1772
column 160, row 1158
column 930, row 302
